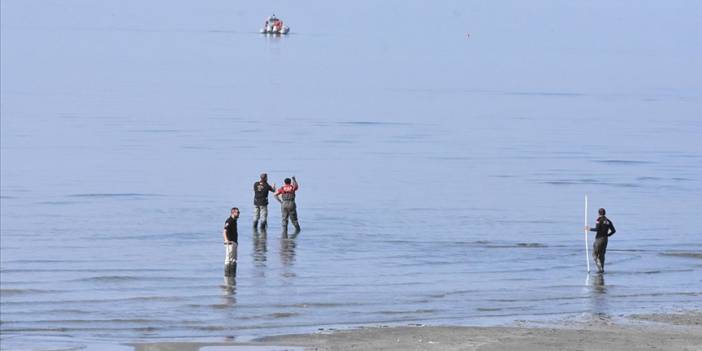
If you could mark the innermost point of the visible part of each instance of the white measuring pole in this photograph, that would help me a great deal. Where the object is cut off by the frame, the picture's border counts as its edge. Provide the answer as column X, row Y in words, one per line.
column 587, row 247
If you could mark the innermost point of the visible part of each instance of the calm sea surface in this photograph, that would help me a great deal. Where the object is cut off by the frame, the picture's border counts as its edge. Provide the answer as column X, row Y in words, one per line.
column 443, row 151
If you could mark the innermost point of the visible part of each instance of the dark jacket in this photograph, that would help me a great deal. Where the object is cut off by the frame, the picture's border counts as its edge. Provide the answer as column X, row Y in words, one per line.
column 604, row 227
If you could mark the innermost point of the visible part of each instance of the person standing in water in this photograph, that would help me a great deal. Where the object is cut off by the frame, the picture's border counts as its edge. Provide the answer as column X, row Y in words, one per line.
column 261, row 189
column 286, row 196
column 604, row 228
column 231, row 239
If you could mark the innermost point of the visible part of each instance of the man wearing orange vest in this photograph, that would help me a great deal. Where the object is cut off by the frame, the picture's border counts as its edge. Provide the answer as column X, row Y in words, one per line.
column 286, row 196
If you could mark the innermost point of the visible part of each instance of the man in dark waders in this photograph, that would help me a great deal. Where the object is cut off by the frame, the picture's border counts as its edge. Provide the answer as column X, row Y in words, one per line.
column 261, row 189
column 231, row 238
column 604, row 228
column 286, row 196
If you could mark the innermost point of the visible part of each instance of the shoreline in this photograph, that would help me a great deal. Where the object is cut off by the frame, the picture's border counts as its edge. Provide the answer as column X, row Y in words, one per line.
column 665, row 331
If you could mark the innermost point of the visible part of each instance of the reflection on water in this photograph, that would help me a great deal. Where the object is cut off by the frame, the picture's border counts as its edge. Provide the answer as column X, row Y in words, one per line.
column 287, row 250
column 598, row 284
column 260, row 247
column 229, row 291
column 599, row 298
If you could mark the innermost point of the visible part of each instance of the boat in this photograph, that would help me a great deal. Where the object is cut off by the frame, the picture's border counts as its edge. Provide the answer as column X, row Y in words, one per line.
column 274, row 25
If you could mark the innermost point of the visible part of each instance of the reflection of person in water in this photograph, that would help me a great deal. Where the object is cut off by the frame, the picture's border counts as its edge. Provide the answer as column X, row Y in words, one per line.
column 287, row 249
column 598, row 284
column 599, row 298
column 260, row 247
column 229, row 291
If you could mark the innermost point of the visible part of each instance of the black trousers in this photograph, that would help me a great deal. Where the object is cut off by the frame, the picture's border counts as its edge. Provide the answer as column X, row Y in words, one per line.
column 599, row 248
column 289, row 210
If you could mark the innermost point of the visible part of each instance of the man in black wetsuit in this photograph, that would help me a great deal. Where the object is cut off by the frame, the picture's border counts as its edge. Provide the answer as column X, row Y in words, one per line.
column 604, row 228
column 231, row 239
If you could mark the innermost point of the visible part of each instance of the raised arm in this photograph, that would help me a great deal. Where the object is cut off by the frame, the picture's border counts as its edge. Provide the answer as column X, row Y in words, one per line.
column 295, row 183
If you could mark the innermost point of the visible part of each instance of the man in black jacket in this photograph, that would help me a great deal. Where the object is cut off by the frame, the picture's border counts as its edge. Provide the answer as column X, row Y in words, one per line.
column 604, row 228
column 261, row 189
column 231, row 239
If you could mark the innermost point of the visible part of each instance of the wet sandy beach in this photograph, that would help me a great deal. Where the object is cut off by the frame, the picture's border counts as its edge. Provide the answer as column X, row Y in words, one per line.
column 680, row 331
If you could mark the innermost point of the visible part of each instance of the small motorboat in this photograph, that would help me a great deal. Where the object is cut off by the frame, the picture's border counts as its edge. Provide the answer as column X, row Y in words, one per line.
column 274, row 25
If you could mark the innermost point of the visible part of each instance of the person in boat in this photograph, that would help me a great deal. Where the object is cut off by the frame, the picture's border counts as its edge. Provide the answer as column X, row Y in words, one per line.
column 604, row 228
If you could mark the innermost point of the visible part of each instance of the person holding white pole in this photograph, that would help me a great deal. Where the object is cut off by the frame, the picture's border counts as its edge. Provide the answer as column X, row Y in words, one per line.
column 604, row 228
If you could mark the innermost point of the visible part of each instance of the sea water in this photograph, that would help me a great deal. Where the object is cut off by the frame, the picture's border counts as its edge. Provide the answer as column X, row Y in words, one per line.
column 443, row 151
